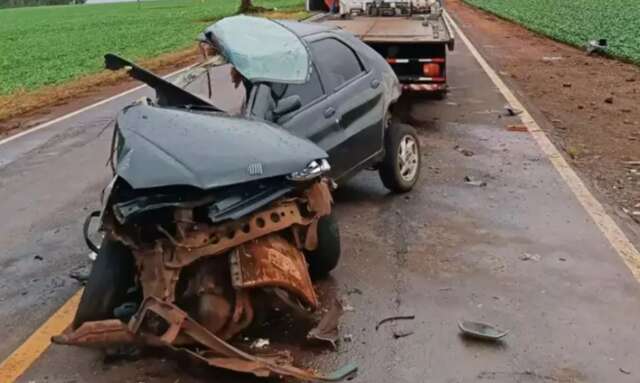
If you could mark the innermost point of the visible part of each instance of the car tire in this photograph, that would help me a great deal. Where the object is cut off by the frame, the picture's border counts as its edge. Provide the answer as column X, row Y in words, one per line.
column 111, row 277
column 326, row 256
column 401, row 145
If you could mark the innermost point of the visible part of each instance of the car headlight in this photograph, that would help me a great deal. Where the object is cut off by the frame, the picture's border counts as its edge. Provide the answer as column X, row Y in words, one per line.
column 313, row 170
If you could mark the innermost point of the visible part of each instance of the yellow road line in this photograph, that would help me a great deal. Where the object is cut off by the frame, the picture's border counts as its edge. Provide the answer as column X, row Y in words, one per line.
column 18, row 362
column 605, row 223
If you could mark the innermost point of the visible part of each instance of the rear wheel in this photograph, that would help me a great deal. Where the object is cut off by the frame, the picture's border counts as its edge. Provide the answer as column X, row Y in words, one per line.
column 111, row 277
column 326, row 256
column 400, row 167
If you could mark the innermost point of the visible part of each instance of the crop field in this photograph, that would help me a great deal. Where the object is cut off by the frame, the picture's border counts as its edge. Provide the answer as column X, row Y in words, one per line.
column 50, row 45
column 577, row 21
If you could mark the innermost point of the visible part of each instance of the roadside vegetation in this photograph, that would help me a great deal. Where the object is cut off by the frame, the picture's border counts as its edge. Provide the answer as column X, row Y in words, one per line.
column 577, row 22
column 51, row 54
column 53, row 44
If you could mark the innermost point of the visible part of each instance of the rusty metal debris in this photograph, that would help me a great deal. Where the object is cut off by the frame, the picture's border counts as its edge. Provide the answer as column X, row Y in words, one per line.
column 194, row 299
column 393, row 319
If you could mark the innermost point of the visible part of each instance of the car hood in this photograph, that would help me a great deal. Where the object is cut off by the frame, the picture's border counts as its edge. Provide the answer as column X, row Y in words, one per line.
column 162, row 147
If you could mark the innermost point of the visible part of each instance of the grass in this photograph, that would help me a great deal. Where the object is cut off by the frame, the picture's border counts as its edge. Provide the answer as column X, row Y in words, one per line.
column 44, row 46
column 577, row 21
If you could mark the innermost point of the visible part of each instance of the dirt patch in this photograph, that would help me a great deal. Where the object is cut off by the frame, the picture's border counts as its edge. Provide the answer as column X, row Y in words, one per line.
column 590, row 101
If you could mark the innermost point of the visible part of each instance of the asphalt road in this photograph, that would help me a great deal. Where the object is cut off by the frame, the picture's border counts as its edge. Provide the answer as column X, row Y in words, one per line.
column 448, row 251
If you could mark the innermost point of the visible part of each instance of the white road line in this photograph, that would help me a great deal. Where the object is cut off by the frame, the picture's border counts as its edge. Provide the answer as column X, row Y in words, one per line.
column 82, row 110
column 605, row 223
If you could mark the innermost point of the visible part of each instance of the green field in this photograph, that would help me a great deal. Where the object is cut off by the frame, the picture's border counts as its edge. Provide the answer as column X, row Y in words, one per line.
column 49, row 45
column 577, row 21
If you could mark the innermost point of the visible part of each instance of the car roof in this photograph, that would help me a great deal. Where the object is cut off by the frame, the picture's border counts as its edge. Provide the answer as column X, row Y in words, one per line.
column 304, row 29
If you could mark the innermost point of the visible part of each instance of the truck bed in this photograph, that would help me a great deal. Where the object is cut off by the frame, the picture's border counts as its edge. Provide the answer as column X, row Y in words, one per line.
column 397, row 29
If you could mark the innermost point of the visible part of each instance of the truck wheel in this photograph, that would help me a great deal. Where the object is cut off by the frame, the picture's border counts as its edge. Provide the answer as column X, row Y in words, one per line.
column 325, row 257
column 111, row 276
column 400, row 168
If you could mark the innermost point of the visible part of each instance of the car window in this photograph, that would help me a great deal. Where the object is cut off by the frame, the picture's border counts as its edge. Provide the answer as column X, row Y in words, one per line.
column 338, row 62
column 308, row 92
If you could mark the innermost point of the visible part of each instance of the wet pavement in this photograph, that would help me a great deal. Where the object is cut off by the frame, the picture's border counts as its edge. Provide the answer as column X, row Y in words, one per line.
column 519, row 252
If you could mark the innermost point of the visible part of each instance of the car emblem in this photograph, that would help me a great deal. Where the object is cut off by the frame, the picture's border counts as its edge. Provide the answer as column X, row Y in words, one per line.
column 255, row 169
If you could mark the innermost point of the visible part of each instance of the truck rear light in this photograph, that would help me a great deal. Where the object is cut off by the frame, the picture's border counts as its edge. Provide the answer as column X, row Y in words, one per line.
column 431, row 70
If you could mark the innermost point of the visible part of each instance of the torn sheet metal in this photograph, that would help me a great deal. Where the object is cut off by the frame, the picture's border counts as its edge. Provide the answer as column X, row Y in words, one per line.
column 163, row 324
column 272, row 261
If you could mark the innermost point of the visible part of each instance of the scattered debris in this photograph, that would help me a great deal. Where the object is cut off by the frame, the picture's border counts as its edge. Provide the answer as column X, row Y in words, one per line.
column 626, row 372
column 346, row 306
column 393, row 319
column 465, row 152
column 511, row 111
column 473, row 182
column 517, row 128
column 401, row 334
column 530, row 257
column 260, row 343
column 482, row 331
column 327, row 329
column 597, row 46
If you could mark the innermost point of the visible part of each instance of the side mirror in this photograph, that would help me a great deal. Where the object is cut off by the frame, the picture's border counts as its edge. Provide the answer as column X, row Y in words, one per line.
column 287, row 105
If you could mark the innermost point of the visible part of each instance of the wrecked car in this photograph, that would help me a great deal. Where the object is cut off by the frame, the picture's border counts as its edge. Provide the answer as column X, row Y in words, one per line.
column 213, row 215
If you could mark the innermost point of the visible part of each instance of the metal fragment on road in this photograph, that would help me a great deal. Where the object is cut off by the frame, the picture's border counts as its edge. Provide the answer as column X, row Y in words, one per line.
column 465, row 152
column 393, row 319
column 473, row 182
column 402, row 334
column 530, row 257
column 624, row 371
column 517, row 128
column 481, row 331
column 511, row 111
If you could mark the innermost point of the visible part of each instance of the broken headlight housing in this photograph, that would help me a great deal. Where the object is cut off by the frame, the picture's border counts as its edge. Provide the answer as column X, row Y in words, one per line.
column 312, row 170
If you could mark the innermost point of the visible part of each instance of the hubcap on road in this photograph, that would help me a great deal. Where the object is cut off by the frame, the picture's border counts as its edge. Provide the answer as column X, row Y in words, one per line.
column 408, row 158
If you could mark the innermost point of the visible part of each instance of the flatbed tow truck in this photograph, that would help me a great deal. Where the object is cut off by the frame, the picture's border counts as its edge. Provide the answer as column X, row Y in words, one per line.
column 412, row 35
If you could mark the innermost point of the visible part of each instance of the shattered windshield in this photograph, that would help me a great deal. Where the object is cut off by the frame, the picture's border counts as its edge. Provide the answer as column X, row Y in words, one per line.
column 212, row 80
column 261, row 49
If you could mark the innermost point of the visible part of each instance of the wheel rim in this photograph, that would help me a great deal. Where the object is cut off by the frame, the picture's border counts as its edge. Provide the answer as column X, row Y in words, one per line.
column 408, row 158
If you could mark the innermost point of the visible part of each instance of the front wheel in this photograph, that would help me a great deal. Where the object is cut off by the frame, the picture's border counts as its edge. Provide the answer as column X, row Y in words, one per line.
column 400, row 168
column 111, row 277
